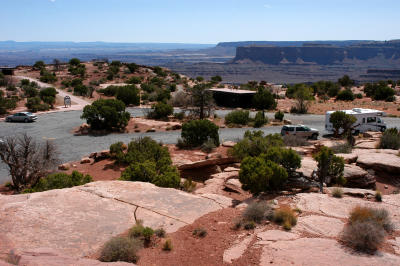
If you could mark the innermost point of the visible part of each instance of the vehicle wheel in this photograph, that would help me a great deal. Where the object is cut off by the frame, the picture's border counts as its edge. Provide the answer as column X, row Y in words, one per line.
column 383, row 129
column 8, row 120
column 314, row 136
column 26, row 120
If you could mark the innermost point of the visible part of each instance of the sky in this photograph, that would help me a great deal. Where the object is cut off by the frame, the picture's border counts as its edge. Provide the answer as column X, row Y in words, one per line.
column 201, row 21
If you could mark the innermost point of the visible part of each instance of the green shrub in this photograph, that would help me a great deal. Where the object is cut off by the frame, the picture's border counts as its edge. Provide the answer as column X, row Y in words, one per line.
column 128, row 94
column 121, row 249
column 257, row 212
column 60, row 180
column 337, row 192
column 137, row 171
column 264, row 100
column 34, row 104
column 345, row 95
column 81, row 90
column 255, row 143
column 161, row 111
column 107, row 114
column 359, row 96
column 390, row 139
column 286, row 217
column 238, row 117
column 167, row 246
column 260, row 120
column 117, row 151
column 258, row 175
column 279, row 115
column 147, row 233
column 196, row 132
column 200, row 232
column 150, row 162
column 48, row 95
column 137, row 230
column 188, row 186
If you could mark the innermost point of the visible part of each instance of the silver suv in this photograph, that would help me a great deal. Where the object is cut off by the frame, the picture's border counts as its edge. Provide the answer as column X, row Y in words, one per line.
column 300, row 131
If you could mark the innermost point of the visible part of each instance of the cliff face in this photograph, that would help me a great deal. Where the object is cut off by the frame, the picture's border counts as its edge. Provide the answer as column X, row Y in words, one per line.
column 320, row 55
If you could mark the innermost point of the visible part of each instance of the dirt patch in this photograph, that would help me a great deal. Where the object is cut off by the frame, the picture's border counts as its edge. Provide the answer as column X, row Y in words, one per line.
column 192, row 250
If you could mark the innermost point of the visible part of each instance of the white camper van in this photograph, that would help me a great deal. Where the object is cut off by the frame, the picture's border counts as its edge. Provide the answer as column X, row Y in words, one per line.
column 367, row 120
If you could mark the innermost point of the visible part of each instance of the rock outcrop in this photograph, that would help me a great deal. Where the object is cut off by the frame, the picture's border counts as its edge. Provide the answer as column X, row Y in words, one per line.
column 380, row 162
column 78, row 221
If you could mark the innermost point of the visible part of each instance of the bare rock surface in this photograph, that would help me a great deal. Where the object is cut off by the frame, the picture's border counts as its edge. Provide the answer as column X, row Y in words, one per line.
column 203, row 163
column 340, row 208
column 237, row 250
column 228, row 143
column 234, row 184
column 216, row 183
column 385, row 162
column 367, row 144
column 78, row 221
column 319, row 225
column 49, row 257
column 319, row 251
column 275, row 235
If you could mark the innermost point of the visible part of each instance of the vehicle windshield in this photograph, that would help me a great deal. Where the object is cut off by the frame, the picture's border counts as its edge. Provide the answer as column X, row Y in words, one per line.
column 307, row 129
column 28, row 113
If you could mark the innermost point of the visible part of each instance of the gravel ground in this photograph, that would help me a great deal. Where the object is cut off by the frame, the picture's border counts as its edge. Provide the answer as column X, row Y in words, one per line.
column 58, row 127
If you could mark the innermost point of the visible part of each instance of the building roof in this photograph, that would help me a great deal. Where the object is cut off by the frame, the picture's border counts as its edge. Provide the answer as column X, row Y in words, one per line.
column 359, row 111
column 234, row 91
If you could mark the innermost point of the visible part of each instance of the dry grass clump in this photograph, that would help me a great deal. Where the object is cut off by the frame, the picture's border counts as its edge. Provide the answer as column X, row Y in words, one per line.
column 337, row 192
column 200, row 232
column 167, row 246
column 378, row 196
column 121, row 249
column 366, row 229
column 286, row 217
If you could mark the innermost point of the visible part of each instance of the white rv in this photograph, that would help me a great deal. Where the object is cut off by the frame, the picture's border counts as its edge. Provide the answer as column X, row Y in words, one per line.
column 367, row 120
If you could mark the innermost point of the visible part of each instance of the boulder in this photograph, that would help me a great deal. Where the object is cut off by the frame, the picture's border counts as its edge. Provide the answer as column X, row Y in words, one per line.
column 380, row 162
column 228, row 144
column 234, row 185
column 214, row 155
column 367, row 144
column 176, row 127
column 78, row 221
column 85, row 160
column 308, row 165
column 215, row 184
column 64, row 167
column 348, row 157
column 231, row 169
column 372, row 134
column 105, row 153
column 358, row 177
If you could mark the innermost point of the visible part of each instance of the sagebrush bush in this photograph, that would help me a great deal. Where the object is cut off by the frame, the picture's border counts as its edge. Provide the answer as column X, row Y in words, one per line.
column 147, row 233
column 239, row 117
column 337, row 192
column 196, row 132
column 342, row 148
column 390, row 139
column 257, row 212
column 293, row 141
column 380, row 216
column 208, row 146
column 285, row 216
column 60, row 180
column 364, row 236
column 345, row 95
column 121, row 249
column 137, row 230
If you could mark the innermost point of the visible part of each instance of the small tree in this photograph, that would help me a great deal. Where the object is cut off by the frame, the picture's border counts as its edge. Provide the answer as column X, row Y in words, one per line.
column 107, row 114
column 39, row 65
column 345, row 95
column 128, row 94
column 345, row 81
column 279, row 115
column 48, row 95
column 341, row 120
column 302, row 95
column 196, row 132
column 202, row 99
column 161, row 111
column 27, row 160
column 264, row 100
column 330, row 167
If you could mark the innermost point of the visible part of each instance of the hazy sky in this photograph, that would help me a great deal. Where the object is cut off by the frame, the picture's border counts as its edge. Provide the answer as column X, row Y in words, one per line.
column 203, row 21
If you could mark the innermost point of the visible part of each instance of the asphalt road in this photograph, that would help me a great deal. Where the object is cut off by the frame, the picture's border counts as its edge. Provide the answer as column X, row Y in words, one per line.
column 58, row 127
